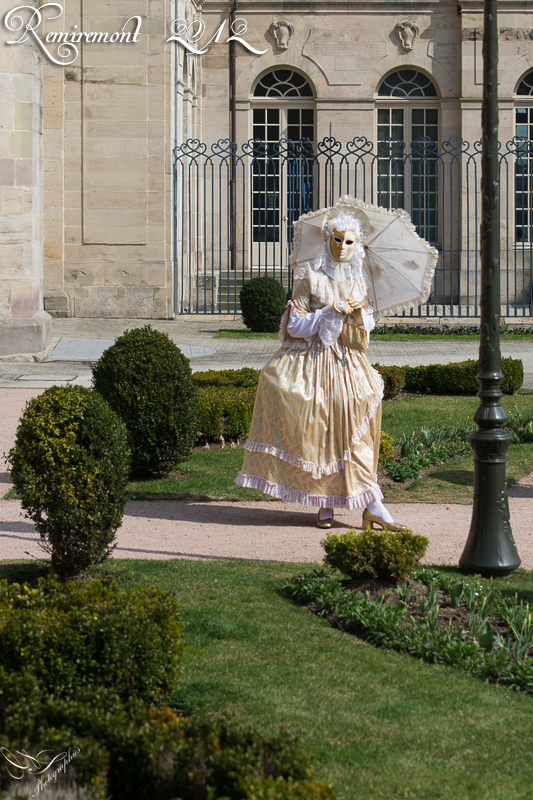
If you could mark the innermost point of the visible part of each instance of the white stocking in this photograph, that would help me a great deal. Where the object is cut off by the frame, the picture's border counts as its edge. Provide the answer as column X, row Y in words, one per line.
column 325, row 513
column 377, row 508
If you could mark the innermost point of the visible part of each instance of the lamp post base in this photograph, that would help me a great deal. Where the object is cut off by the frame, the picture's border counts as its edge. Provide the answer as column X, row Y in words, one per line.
column 490, row 549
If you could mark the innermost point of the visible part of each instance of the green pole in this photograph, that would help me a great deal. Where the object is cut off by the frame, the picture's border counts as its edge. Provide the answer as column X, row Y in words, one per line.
column 490, row 548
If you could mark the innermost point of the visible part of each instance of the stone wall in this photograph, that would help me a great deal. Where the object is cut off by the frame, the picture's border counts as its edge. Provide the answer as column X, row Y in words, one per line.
column 115, row 112
column 25, row 329
column 111, row 118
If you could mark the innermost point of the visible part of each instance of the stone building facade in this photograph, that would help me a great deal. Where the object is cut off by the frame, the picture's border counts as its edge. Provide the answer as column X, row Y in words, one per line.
column 97, row 126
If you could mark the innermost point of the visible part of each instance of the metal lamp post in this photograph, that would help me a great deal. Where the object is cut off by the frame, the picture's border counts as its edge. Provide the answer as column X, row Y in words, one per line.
column 490, row 548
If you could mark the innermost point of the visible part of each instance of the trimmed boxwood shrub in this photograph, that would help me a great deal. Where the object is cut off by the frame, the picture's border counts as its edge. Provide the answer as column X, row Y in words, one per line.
column 393, row 380
column 460, row 377
column 375, row 554
column 70, row 466
column 147, row 380
column 263, row 301
column 92, row 633
column 245, row 378
column 132, row 752
column 224, row 411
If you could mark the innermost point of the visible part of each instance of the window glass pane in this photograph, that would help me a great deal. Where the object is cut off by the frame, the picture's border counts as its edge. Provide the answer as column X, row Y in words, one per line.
column 293, row 116
column 273, row 115
column 308, row 116
column 526, row 86
column 397, row 116
column 417, row 116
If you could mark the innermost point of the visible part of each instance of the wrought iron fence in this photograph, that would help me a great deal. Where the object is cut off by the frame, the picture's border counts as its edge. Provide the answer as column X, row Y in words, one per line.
column 235, row 206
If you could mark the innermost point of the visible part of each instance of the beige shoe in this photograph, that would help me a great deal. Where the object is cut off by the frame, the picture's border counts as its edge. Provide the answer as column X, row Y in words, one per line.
column 370, row 520
column 324, row 523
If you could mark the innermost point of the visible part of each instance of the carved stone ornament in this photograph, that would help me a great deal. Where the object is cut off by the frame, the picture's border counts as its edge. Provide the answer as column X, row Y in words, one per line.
column 282, row 32
column 407, row 33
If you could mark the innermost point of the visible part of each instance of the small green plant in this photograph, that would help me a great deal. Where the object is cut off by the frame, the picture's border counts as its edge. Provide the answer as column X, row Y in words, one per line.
column 494, row 643
column 422, row 449
column 147, row 381
column 70, row 466
column 520, row 426
column 376, row 554
column 263, row 301
column 386, row 448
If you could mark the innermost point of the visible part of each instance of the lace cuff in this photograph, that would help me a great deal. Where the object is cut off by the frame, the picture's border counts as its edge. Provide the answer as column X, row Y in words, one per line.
column 330, row 328
column 368, row 320
column 303, row 326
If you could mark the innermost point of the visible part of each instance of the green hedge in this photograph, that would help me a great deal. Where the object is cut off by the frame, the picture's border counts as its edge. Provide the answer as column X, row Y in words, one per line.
column 393, row 380
column 76, row 634
column 226, row 397
column 244, row 378
column 460, row 377
column 224, row 411
column 86, row 668
column 132, row 752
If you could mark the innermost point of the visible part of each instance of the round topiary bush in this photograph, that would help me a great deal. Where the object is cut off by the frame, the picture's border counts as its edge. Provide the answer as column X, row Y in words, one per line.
column 147, row 380
column 263, row 301
column 70, row 466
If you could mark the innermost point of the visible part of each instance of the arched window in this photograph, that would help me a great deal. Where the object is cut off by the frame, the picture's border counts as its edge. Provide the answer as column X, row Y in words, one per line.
column 283, row 107
column 524, row 160
column 408, row 110
column 283, row 83
column 407, row 83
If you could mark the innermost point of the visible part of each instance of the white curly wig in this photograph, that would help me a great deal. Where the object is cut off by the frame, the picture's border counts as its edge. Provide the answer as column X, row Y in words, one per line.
column 343, row 221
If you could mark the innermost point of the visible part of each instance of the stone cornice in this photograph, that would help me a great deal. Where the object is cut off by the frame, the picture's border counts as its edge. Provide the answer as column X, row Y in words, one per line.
column 503, row 5
column 323, row 6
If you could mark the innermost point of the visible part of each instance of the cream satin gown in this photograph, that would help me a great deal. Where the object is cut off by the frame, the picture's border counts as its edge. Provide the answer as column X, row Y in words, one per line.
column 315, row 431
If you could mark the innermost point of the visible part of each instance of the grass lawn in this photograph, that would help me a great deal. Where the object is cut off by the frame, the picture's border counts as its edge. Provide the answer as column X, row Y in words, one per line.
column 377, row 724
column 385, row 337
column 209, row 474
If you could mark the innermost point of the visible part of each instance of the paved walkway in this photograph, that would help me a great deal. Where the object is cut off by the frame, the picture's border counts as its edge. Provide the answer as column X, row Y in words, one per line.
column 80, row 342
column 261, row 531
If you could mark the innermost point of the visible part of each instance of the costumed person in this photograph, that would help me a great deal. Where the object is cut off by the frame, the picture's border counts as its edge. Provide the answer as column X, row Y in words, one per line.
column 315, row 431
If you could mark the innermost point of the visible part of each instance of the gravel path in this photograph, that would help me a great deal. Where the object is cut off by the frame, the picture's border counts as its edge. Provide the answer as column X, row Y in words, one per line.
column 263, row 531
